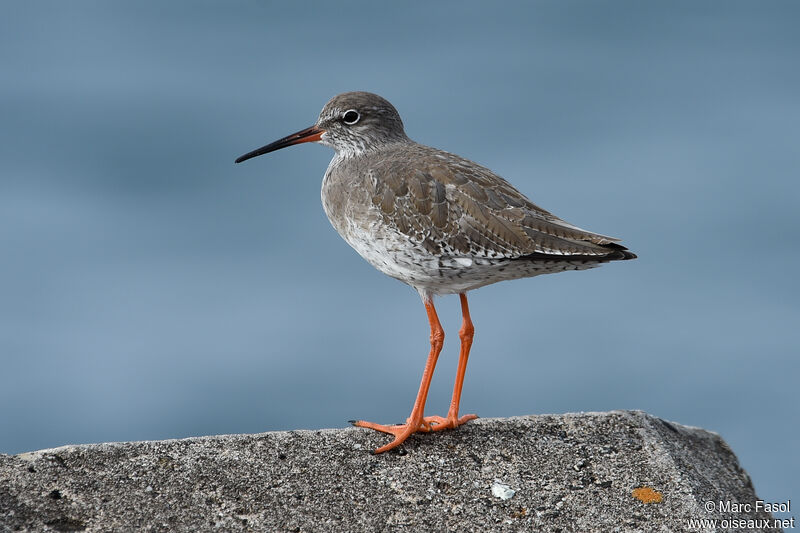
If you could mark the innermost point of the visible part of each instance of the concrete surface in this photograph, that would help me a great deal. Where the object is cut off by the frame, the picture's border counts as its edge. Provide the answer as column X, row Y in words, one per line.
column 587, row 472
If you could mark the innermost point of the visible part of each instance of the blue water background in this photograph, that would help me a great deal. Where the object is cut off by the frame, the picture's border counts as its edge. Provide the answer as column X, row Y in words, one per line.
column 151, row 289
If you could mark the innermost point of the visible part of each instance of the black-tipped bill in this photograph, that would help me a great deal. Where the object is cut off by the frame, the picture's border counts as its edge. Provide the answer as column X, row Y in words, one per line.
column 311, row 134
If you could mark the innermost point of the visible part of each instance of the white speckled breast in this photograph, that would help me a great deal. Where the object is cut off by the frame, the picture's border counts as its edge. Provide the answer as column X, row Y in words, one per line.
column 347, row 199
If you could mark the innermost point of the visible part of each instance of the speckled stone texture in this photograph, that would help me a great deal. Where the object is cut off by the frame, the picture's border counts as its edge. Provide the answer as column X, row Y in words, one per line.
column 573, row 472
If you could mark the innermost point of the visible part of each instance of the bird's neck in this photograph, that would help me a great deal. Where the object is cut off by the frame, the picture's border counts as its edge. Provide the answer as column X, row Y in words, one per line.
column 360, row 149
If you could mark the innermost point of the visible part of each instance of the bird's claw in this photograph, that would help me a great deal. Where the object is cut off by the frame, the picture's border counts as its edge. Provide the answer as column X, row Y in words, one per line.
column 402, row 431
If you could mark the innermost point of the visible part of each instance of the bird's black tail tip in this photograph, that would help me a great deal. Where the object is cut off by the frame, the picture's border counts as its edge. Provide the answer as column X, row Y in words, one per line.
column 620, row 253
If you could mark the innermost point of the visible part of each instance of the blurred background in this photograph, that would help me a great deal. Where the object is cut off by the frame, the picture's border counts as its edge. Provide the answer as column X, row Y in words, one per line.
column 151, row 289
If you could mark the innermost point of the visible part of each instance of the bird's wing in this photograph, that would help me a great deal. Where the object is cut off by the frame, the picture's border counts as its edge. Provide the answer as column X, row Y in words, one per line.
column 456, row 207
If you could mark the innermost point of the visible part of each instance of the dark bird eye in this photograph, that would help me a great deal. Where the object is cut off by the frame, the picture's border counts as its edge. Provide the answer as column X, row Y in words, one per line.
column 351, row 117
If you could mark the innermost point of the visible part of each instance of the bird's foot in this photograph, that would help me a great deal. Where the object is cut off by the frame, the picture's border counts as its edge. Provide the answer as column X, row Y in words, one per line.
column 402, row 431
column 438, row 423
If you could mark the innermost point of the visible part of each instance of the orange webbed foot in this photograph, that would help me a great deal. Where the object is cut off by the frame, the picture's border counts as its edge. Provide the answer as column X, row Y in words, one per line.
column 402, row 431
column 438, row 423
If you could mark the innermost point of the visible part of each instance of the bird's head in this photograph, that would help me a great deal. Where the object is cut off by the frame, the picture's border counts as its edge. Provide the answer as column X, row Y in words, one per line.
column 350, row 123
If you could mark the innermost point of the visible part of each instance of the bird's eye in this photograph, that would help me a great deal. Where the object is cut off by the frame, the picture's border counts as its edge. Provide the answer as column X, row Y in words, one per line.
column 351, row 117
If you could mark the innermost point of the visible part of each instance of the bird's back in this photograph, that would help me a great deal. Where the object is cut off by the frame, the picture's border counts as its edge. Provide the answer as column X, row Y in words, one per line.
column 450, row 216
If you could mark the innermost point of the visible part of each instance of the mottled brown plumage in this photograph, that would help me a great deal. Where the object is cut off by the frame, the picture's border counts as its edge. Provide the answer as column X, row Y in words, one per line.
column 436, row 221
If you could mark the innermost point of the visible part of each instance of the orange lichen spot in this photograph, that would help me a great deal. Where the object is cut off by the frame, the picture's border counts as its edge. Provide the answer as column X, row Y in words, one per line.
column 647, row 495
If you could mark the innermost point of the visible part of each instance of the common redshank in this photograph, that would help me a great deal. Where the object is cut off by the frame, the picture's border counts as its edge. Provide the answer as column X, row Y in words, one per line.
column 436, row 221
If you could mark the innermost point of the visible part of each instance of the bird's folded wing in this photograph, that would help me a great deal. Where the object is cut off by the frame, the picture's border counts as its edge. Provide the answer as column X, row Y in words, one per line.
column 455, row 207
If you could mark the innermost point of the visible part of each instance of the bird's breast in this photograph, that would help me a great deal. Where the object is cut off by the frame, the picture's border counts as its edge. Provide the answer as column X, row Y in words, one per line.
column 347, row 197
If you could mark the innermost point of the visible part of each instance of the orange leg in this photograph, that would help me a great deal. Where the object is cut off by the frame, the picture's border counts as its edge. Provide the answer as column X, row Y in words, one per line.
column 415, row 421
column 418, row 422
column 466, row 333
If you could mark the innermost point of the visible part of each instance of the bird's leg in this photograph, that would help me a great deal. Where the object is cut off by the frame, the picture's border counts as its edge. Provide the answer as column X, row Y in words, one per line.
column 416, row 421
column 466, row 333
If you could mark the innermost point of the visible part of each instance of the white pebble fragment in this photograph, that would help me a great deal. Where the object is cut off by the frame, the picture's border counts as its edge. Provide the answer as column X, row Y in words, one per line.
column 502, row 491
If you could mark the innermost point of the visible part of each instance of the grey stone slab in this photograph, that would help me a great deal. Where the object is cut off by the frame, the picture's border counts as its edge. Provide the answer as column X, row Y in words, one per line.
column 553, row 473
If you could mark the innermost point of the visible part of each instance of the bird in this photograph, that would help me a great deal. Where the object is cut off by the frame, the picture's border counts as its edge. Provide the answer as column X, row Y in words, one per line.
column 435, row 221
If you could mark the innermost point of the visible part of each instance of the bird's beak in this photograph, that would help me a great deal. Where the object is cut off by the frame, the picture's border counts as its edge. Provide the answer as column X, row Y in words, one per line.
column 311, row 134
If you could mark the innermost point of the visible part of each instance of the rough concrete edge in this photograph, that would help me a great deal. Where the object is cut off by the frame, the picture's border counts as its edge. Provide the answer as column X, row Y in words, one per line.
column 652, row 436
column 652, row 431
column 639, row 415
